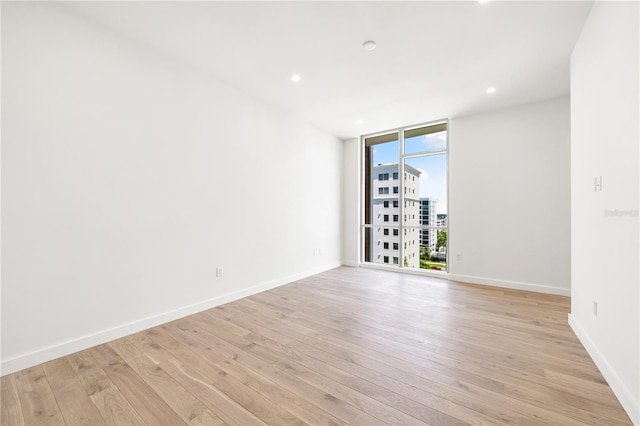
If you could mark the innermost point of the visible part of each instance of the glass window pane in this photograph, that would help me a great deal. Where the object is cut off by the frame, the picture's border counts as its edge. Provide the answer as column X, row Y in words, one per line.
column 430, row 172
column 426, row 256
column 428, row 208
column 426, row 139
column 438, row 258
column 381, row 245
column 411, row 246
column 381, row 164
column 426, row 184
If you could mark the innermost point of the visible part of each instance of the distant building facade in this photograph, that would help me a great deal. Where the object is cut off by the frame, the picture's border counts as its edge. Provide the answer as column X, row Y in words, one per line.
column 429, row 217
column 386, row 199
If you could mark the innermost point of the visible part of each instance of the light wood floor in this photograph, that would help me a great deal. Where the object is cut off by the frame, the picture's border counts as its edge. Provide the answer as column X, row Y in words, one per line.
column 348, row 346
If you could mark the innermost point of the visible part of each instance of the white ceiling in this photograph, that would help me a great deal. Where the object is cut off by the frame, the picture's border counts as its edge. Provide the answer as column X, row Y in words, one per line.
column 434, row 59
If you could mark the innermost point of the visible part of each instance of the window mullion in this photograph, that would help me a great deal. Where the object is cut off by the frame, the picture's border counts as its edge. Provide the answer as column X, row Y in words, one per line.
column 401, row 236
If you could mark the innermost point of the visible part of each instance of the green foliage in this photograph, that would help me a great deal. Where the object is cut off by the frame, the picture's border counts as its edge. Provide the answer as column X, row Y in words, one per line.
column 438, row 266
column 442, row 240
column 425, row 253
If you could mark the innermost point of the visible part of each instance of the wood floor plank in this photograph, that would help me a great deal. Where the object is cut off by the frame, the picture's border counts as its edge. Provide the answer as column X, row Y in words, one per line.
column 39, row 406
column 545, row 396
column 275, row 342
column 348, row 346
column 301, row 408
column 192, row 373
column 383, row 411
column 74, row 402
column 147, row 403
column 413, row 308
column 417, row 332
column 599, row 392
column 317, row 395
column 189, row 408
column 279, row 349
column 516, row 362
column 416, row 314
column 10, row 412
column 505, row 413
column 109, row 401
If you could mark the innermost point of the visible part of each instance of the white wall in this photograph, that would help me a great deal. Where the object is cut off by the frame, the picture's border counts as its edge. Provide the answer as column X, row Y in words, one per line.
column 605, row 247
column 509, row 197
column 128, row 178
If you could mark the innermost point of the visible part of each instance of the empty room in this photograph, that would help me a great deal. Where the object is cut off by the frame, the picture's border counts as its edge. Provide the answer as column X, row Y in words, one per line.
column 320, row 212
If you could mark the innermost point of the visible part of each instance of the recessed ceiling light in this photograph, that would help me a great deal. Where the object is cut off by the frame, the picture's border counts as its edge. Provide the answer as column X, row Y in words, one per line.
column 295, row 78
column 491, row 90
column 369, row 45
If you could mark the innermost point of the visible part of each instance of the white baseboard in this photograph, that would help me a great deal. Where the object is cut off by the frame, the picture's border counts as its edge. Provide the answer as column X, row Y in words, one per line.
column 624, row 395
column 515, row 285
column 84, row 342
column 538, row 288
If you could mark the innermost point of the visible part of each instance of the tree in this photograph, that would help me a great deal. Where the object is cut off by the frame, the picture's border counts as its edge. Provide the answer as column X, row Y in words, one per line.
column 442, row 240
column 425, row 253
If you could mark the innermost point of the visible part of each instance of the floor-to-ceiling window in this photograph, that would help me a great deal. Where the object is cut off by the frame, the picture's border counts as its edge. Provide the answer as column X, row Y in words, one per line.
column 405, row 216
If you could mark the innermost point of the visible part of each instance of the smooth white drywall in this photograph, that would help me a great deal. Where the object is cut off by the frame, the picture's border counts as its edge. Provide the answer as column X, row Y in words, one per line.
column 509, row 197
column 128, row 178
column 604, row 224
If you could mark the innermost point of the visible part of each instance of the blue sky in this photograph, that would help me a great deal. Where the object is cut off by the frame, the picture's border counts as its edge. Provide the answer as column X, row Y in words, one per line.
column 433, row 168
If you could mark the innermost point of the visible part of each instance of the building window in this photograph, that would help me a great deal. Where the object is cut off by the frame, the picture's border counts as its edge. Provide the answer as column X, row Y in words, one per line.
column 395, row 232
column 385, row 231
column 395, row 203
column 386, row 218
column 395, row 260
column 383, row 190
column 386, row 259
column 395, row 246
column 395, row 190
column 385, row 246
column 383, row 176
column 395, row 217
column 385, row 204
column 395, row 175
